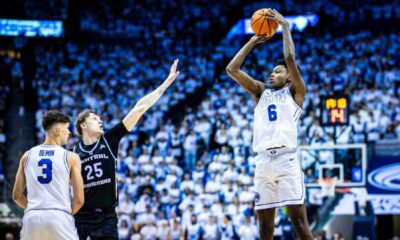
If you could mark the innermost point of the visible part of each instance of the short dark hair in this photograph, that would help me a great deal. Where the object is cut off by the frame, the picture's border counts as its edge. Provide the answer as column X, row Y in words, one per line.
column 281, row 61
column 52, row 117
column 81, row 118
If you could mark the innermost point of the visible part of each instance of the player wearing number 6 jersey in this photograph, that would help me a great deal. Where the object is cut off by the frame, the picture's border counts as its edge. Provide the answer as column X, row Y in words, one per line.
column 99, row 151
column 278, row 177
column 48, row 171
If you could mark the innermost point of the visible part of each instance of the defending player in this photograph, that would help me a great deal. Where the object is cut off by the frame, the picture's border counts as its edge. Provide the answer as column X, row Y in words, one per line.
column 47, row 170
column 98, row 151
column 278, row 177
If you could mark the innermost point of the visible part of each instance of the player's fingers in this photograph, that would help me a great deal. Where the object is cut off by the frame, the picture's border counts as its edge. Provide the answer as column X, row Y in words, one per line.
column 173, row 69
column 174, row 65
column 268, row 12
column 270, row 17
column 276, row 13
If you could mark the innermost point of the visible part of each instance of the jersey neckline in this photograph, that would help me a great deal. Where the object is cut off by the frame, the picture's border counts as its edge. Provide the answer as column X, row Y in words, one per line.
column 89, row 151
column 49, row 145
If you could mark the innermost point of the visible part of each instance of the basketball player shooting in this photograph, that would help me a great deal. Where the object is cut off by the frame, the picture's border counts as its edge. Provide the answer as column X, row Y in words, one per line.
column 278, row 177
column 99, row 151
column 48, row 171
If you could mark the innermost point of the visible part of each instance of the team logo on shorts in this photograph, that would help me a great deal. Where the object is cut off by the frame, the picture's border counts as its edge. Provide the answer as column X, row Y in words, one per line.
column 257, row 197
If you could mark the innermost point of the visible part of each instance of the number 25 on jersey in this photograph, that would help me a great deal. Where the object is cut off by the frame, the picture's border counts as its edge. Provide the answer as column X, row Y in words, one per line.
column 94, row 170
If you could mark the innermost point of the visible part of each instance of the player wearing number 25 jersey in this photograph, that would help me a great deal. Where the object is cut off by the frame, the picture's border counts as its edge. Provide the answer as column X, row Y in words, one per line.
column 47, row 171
column 278, row 178
column 99, row 151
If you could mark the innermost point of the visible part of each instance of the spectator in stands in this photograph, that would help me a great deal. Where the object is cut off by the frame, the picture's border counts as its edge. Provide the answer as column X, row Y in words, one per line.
column 248, row 231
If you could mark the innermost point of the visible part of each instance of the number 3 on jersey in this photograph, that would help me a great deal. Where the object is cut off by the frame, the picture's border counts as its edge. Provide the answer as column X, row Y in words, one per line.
column 272, row 116
column 93, row 170
column 47, row 167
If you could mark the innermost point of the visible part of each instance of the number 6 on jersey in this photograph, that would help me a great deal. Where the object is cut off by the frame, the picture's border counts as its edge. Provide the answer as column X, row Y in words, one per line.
column 272, row 116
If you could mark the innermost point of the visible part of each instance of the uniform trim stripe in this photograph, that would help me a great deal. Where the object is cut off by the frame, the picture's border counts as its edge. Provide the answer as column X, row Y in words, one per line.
column 297, row 116
column 115, row 172
column 294, row 115
column 27, row 159
column 108, row 146
column 66, row 162
column 291, row 97
column 284, row 201
column 45, row 209
column 48, row 145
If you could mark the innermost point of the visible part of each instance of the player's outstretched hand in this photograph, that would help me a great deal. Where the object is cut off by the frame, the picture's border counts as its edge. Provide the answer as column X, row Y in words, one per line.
column 173, row 73
column 276, row 16
column 259, row 39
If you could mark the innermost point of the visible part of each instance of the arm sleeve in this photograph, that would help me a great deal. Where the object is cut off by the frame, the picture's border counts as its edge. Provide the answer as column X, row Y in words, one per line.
column 114, row 136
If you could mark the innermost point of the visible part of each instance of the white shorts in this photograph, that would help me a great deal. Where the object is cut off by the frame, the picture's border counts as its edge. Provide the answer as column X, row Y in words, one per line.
column 48, row 224
column 278, row 181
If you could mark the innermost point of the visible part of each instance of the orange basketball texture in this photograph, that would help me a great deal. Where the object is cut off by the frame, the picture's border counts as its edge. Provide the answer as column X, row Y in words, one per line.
column 261, row 25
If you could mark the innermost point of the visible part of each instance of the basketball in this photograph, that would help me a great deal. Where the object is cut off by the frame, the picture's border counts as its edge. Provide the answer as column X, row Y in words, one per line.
column 261, row 25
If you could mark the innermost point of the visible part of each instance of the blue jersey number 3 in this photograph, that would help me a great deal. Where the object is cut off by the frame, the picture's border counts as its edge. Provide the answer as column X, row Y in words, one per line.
column 272, row 116
column 47, row 167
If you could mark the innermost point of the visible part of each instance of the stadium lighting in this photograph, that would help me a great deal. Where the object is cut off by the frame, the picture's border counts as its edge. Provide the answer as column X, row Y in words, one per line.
column 31, row 28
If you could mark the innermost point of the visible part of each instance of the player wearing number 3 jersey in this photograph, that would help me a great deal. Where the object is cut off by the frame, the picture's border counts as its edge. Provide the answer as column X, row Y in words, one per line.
column 278, row 177
column 99, row 151
column 48, row 171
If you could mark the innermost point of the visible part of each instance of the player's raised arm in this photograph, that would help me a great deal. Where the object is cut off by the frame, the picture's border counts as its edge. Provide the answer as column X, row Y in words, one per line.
column 298, row 87
column 74, row 164
column 254, row 87
column 20, row 184
column 150, row 99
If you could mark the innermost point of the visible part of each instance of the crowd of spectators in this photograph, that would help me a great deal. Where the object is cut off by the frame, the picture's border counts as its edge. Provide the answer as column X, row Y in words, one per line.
column 49, row 10
column 97, row 76
column 35, row 9
column 340, row 11
column 174, row 18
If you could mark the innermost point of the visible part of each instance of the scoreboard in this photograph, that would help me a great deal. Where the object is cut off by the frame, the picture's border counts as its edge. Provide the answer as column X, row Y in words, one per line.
column 335, row 110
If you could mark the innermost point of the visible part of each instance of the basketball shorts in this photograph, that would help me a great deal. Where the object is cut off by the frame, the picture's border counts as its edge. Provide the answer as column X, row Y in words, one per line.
column 97, row 225
column 278, row 180
column 48, row 225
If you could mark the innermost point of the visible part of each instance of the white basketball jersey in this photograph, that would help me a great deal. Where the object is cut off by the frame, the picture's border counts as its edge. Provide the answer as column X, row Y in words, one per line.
column 48, row 178
column 275, row 120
